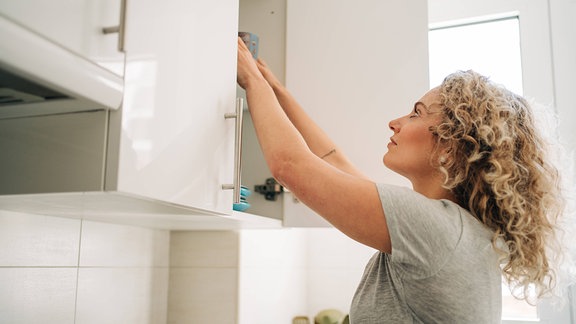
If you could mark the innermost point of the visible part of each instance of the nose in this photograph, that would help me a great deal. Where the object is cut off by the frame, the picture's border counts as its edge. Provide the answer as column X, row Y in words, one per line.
column 394, row 125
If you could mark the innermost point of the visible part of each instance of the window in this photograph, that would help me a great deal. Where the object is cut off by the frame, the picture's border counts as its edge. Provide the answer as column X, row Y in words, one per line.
column 491, row 48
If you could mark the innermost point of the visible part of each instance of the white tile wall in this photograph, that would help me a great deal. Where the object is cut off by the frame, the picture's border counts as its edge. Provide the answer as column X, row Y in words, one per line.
column 37, row 295
column 203, row 295
column 56, row 270
column 336, row 264
column 122, row 295
column 31, row 240
column 203, row 277
column 123, row 274
column 123, row 246
column 59, row 270
column 272, row 276
column 206, row 249
column 262, row 276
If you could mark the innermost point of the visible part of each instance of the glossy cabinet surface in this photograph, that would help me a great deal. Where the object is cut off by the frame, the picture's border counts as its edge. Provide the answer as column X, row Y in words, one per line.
column 354, row 77
column 164, row 158
column 174, row 143
column 75, row 25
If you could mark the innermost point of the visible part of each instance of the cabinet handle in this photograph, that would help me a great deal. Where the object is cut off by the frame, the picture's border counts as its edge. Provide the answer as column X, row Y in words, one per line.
column 237, row 150
column 120, row 29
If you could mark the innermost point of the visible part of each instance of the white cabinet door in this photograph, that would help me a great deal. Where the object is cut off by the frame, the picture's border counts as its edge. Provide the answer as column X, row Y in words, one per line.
column 75, row 25
column 175, row 144
column 354, row 66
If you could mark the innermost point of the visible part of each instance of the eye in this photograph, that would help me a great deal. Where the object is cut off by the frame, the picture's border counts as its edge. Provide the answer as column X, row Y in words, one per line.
column 415, row 113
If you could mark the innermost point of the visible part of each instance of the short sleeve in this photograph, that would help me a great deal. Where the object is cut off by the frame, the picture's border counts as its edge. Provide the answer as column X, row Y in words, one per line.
column 424, row 232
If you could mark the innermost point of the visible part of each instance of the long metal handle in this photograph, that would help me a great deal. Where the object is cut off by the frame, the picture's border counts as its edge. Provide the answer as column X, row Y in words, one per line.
column 120, row 29
column 237, row 150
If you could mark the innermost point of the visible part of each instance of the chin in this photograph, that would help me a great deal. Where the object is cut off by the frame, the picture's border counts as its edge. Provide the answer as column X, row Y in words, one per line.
column 386, row 161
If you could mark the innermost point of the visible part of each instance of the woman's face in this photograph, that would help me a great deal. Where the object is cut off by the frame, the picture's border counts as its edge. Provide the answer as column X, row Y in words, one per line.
column 412, row 144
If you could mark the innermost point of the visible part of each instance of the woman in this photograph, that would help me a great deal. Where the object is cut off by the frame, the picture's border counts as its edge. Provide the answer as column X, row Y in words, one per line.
column 483, row 204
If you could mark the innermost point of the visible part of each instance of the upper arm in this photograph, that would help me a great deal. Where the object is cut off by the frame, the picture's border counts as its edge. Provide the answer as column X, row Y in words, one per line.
column 350, row 202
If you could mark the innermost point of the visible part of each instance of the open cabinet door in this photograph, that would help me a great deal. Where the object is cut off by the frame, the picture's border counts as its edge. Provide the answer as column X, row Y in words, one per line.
column 354, row 66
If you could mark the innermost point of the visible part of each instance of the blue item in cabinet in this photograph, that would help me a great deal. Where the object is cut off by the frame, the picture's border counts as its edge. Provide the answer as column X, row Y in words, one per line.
column 251, row 41
column 243, row 204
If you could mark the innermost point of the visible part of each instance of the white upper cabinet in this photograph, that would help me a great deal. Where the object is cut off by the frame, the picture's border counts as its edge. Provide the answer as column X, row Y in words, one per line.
column 165, row 156
column 175, row 143
column 60, row 56
column 75, row 25
column 166, row 159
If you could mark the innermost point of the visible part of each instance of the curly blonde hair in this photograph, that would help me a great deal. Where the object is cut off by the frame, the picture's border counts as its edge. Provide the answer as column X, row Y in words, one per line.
column 495, row 162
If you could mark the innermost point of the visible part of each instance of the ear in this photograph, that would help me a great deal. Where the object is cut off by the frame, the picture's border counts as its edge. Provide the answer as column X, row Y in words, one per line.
column 442, row 155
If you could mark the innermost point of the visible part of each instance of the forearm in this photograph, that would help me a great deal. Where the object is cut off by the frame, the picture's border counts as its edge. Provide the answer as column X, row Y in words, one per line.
column 316, row 138
column 318, row 141
column 278, row 137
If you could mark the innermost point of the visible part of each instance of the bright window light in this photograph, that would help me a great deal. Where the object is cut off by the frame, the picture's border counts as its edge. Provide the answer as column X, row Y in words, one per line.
column 491, row 48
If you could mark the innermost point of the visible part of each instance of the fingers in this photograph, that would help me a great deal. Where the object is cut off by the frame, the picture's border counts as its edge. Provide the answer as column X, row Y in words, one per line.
column 261, row 62
column 241, row 43
column 247, row 68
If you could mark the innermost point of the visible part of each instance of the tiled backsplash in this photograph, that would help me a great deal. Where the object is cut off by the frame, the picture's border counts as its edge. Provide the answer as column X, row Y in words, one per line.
column 55, row 270
column 261, row 276
column 66, row 271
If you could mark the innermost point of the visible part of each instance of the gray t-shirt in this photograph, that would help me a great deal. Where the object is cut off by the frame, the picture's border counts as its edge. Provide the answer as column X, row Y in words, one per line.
column 442, row 269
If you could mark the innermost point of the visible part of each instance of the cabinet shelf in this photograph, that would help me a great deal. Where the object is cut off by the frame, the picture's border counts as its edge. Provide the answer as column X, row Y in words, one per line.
column 119, row 208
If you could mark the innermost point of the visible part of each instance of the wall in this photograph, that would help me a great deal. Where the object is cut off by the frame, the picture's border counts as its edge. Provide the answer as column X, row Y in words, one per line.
column 226, row 277
column 203, row 277
column 563, row 39
column 335, row 266
column 563, row 29
column 58, row 270
column 261, row 276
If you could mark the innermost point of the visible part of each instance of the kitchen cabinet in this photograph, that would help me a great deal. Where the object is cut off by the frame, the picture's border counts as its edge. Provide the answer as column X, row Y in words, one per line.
column 353, row 66
column 55, row 56
column 166, row 158
column 163, row 159
column 77, row 26
column 175, row 144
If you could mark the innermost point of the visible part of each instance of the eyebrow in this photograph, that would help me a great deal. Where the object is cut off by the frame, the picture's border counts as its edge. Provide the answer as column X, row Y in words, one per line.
column 420, row 103
column 427, row 108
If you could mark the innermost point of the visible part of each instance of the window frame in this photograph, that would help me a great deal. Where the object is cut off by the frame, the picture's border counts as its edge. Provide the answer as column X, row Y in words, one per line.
column 535, row 41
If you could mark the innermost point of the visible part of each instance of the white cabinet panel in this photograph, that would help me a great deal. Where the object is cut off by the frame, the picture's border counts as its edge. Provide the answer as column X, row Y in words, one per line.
column 360, row 66
column 175, row 144
column 163, row 158
column 75, row 25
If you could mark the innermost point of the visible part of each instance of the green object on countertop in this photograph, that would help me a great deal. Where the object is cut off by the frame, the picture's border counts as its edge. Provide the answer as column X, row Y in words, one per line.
column 329, row 316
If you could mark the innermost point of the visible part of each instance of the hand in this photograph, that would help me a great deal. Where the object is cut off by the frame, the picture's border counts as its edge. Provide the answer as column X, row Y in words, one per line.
column 268, row 75
column 247, row 68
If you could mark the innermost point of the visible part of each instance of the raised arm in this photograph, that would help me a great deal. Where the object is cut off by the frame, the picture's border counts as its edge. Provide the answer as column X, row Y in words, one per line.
column 318, row 141
column 349, row 202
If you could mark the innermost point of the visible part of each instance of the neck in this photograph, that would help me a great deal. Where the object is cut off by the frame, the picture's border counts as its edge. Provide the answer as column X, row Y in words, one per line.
column 432, row 188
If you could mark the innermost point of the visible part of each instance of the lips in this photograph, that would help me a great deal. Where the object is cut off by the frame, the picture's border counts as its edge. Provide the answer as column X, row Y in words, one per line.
column 393, row 141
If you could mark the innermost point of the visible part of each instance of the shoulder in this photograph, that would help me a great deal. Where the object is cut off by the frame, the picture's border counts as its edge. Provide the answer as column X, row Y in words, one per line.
column 404, row 204
column 424, row 232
